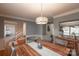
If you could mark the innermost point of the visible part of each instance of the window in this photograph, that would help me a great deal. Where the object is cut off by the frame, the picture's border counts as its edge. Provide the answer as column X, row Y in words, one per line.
column 9, row 30
column 75, row 29
column 71, row 29
column 66, row 30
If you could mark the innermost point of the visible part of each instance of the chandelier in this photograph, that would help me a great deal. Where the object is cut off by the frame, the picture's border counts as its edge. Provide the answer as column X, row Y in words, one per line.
column 41, row 19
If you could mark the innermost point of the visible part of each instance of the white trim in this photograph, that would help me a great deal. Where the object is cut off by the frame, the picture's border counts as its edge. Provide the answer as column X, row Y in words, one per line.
column 20, row 18
column 33, row 35
column 9, row 22
column 67, row 13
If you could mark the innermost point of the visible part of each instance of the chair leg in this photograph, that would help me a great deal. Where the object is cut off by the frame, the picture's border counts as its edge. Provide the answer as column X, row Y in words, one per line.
column 70, row 53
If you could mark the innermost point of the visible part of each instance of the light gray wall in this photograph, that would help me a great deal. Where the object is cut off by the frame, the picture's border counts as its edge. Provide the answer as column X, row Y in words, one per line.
column 1, row 33
column 1, row 27
column 44, row 30
column 70, row 17
column 33, row 29
column 56, row 22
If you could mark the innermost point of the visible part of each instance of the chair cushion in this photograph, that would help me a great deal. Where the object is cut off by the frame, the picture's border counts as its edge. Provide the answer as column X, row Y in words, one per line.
column 20, row 41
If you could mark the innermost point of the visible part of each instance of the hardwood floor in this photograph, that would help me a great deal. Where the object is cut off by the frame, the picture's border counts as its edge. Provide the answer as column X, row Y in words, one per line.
column 2, row 52
column 6, row 52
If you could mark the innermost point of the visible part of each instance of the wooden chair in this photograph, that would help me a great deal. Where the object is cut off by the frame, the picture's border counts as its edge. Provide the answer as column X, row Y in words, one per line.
column 77, row 48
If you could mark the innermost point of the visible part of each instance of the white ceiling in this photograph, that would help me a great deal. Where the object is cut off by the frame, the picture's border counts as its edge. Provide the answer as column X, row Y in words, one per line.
column 32, row 10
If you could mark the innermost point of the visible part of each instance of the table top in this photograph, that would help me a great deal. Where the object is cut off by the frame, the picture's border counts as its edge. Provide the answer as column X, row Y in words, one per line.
column 44, row 51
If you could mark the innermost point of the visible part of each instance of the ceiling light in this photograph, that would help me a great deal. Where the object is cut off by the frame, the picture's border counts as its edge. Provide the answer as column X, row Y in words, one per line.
column 41, row 19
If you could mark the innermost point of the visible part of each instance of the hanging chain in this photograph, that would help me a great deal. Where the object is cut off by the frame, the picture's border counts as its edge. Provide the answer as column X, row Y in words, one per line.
column 41, row 9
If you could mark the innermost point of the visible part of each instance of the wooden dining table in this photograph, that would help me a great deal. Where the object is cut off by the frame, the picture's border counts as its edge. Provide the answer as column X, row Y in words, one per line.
column 63, row 51
column 26, row 50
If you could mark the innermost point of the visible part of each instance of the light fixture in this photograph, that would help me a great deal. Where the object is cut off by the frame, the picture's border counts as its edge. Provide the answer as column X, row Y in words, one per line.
column 41, row 19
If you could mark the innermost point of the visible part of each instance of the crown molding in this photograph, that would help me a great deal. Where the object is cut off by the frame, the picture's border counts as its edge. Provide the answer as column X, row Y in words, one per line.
column 15, row 17
column 67, row 13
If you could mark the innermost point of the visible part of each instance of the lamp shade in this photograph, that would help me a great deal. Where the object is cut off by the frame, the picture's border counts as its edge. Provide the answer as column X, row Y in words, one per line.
column 41, row 20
